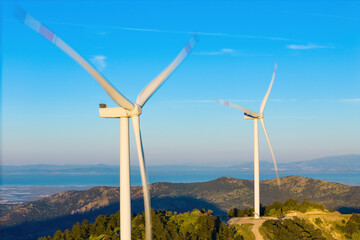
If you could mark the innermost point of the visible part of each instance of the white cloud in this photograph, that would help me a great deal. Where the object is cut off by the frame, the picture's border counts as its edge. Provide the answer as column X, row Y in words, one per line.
column 299, row 117
column 137, row 29
column 193, row 101
column 99, row 62
column 277, row 100
column 227, row 50
column 350, row 18
column 175, row 31
column 221, row 52
column 230, row 100
column 350, row 100
column 243, row 100
column 305, row 47
column 343, row 100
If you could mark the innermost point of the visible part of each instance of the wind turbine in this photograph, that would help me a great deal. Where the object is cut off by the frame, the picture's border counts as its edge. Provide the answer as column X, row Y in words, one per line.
column 250, row 115
column 125, row 111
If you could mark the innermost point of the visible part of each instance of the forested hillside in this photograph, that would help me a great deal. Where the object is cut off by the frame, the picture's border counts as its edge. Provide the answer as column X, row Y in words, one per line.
column 312, row 222
column 62, row 210
column 166, row 225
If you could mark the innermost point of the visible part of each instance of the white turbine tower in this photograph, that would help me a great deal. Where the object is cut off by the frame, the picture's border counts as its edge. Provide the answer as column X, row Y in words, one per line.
column 248, row 114
column 125, row 111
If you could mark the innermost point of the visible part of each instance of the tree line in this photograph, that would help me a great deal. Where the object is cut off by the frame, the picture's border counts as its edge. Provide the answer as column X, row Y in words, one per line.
column 277, row 208
column 203, row 225
column 195, row 225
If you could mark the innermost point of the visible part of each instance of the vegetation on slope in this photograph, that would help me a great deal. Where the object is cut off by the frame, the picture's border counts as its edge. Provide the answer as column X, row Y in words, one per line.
column 296, row 220
column 245, row 230
column 226, row 193
column 309, row 221
column 330, row 226
column 352, row 227
column 197, row 224
column 61, row 211
column 305, row 219
column 247, row 212
column 277, row 208
column 295, row 229
column 220, row 195
column 62, row 204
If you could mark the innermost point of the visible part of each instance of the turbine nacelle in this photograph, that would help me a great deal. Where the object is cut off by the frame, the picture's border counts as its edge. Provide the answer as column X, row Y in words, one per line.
column 119, row 112
column 248, row 116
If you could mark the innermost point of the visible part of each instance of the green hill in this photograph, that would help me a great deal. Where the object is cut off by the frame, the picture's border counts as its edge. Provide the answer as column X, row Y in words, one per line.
column 166, row 225
column 312, row 222
column 61, row 210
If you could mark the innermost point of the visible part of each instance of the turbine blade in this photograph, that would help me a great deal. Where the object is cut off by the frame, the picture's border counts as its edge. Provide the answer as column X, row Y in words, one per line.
column 272, row 152
column 262, row 107
column 233, row 105
column 149, row 90
column 146, row 192
column 38, row 27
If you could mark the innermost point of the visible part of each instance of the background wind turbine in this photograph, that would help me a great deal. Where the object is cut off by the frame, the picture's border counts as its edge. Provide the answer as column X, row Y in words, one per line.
column 125, row 111
column 248, row 114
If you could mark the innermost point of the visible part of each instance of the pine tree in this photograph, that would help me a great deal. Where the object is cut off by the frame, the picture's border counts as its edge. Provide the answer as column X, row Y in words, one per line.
column 59, row 235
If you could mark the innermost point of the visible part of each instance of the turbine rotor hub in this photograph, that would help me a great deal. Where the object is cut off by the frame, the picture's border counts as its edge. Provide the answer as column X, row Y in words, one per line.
column 136, row 111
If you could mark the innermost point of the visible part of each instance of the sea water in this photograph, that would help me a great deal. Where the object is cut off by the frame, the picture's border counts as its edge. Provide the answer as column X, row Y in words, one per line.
column 352, row 179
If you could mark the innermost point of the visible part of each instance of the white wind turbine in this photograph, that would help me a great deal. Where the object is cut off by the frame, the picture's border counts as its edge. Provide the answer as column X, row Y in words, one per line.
column 248, row 114
column 125, row 111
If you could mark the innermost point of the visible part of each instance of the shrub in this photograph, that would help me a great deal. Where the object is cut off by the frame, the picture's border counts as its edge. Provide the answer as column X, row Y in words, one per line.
column 294, row 229
column 318, row 221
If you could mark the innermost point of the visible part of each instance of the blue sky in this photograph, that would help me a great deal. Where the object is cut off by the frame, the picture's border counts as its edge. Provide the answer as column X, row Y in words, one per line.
column 50, row 104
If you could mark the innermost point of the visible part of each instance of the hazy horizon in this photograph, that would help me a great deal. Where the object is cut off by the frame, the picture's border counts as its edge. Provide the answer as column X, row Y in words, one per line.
column 210, row 164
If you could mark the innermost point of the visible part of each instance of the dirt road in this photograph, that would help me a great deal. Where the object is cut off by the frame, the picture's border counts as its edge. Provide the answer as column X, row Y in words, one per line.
column 257, row 223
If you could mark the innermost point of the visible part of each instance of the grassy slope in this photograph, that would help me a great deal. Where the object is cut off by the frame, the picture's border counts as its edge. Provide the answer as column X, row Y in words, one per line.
column 245, row 231
column 329, row 223
column 186, row 218
column 262, row 231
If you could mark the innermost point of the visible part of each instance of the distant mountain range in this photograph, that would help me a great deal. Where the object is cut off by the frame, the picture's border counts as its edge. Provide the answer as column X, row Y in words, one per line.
column 59, row 169
column 333, row 164
column 344, row 163
column 61, row 210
